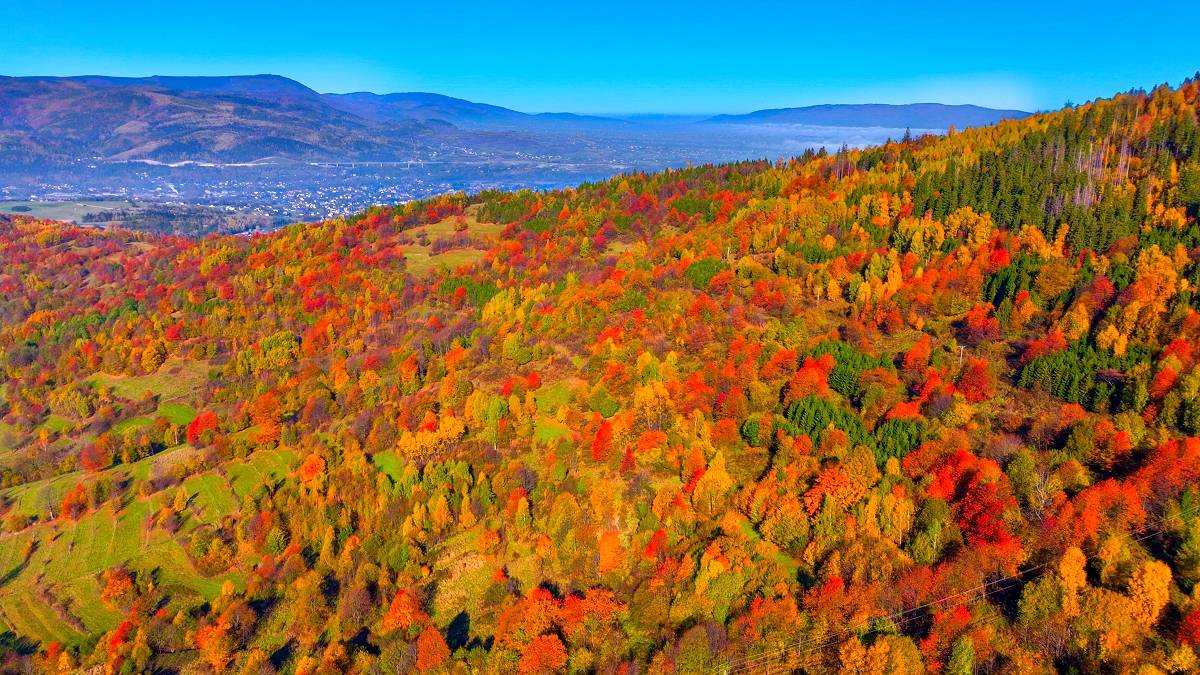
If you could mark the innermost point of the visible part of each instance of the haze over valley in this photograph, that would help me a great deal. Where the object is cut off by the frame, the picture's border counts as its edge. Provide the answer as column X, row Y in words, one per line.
column 271, row 146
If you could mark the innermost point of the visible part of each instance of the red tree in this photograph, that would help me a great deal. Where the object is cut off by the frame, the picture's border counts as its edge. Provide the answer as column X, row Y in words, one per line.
column 74, row 503
column 205, row 421
column 431, row 649
column 917, row 357
column 602, row 443
column 1189, row 628
column 543, row 654
column 980, row 325
column 976, row 382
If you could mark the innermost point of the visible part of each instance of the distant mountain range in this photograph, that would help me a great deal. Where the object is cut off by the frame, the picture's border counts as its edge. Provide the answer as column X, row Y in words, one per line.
column 217, row 119
column 268, row 117
column 425, row 106
column 912, row 115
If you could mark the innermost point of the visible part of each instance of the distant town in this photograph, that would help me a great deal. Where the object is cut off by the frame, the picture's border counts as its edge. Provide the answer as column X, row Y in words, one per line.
column 274, row 195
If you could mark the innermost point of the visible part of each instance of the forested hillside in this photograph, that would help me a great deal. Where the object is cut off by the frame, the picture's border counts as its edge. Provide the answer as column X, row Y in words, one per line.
column 928, row 406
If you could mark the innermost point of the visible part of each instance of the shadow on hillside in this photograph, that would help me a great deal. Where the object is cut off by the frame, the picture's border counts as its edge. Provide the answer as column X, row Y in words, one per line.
column 458, row 633
column 281, row 655
column 11, row 642
column 16, row 571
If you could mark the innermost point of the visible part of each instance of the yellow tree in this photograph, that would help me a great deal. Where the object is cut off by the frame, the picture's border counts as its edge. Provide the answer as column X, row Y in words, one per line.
column 1072, row 573
column 1150, row 589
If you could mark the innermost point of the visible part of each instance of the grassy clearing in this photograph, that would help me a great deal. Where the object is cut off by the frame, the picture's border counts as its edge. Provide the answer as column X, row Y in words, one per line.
column 32, row 499
column 58, row 424
column 69, row 556
column 25, row 614
column 246, row 477
column 54, row 595
column 10, row 550
column 177, row 413
column 452, row 260
column 548, row 430
column 160, row 463
column 390, row 463
column 464, row 576
column 178, row 576
column 96, row 616
column 130, row 425
column 211, row 497
column 70, row 211
column 246, row 434
column 420, row 259
column 787, row 562
column 446, row 227
column 176, row 379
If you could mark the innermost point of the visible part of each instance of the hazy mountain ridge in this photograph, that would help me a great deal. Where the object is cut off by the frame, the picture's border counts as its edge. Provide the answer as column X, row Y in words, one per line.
column 914, row 115
column 48, row 119
column 250, row 118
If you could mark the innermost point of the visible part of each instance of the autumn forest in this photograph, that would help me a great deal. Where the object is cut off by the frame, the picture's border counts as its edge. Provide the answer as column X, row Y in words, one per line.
column 927, row 406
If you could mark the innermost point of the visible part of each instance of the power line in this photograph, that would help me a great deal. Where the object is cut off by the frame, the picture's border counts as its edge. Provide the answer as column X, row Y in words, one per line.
column 894, row 616
column 977, row 621
column 747, row 663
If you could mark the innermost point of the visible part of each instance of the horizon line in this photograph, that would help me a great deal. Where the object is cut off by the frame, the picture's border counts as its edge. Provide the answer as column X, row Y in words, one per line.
column 591, row 113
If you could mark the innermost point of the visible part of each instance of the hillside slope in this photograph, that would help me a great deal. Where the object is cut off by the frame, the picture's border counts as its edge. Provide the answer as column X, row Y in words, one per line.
column 182, row 119
column 932, row 405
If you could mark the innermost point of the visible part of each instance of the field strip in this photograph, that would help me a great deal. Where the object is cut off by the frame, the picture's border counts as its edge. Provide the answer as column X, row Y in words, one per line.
column 51, row 620
column 112, row 540
column 34, row 621
column 263, row 476
column 92, row 575
column 93, row 532
column 5, row 621
column 21, row 623
column 10, row 555
column 147, row 533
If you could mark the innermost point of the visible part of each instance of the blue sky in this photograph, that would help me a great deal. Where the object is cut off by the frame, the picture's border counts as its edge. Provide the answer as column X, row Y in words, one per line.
column 623, row 57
